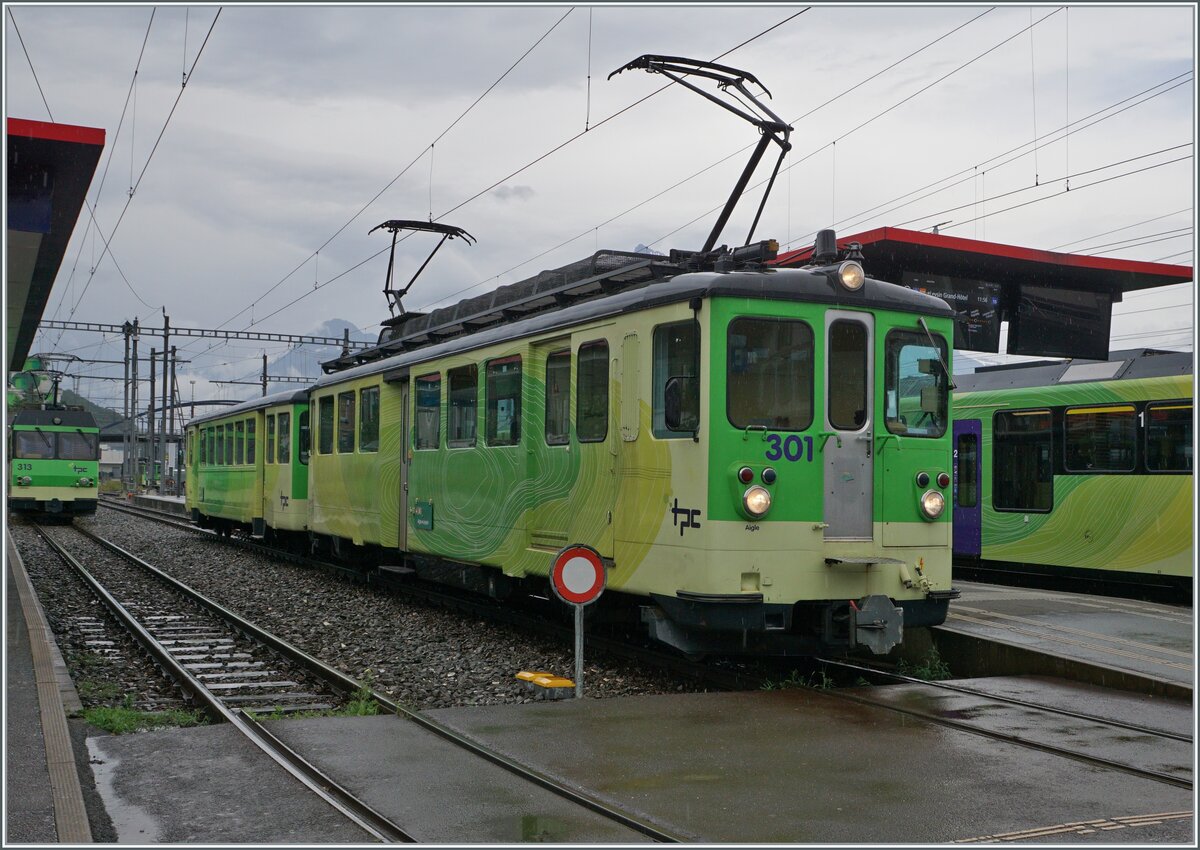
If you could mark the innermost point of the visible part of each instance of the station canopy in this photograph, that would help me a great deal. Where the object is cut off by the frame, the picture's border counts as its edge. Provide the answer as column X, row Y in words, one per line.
column 50, row 167
column 1057, row 305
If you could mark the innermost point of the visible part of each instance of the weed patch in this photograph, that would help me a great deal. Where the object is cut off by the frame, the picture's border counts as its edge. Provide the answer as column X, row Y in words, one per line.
column 121, row 720
column 932, row 668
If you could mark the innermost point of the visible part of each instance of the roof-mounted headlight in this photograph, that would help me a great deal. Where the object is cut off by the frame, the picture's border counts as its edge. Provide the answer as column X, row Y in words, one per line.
column 851, row 275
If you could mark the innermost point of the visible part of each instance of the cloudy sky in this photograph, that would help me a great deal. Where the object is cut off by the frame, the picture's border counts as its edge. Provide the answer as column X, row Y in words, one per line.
column 301, row 128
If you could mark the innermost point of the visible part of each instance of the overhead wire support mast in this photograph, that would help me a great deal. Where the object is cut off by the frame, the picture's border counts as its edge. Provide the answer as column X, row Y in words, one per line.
column 773, row 128
column 394, row 226
column 217, row 333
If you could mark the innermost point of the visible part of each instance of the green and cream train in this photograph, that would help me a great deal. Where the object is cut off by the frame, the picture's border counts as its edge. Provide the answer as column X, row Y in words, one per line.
column 1079, row 473
column 761, row 456
column 53, row 462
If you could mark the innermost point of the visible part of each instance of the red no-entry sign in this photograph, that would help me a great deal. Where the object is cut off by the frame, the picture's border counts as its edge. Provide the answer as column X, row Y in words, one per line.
column 578, row 575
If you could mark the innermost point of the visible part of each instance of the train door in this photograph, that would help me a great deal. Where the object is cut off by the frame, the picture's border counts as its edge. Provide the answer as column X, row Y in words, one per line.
column 551, row 465
column 597, row 440
column 849, row 390
column 968, row 514
column 405, row 458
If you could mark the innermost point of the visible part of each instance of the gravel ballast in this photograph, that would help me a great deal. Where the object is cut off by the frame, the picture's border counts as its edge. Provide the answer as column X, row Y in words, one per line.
column 421, row 656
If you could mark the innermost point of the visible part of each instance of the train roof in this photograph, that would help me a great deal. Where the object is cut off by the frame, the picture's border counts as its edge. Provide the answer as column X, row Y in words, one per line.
column 285, row 397
column 803, row 285
column 1121, row 366
column 61, row 418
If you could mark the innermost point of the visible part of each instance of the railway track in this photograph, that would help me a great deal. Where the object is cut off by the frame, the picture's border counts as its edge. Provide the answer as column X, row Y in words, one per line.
column 1150, row 753
column 473, row 604
column 187, row 644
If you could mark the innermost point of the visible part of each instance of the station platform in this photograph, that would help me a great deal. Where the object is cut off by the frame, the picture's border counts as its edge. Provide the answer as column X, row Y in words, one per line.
column 170, row 504
column 1125, row 644
column 43, row 797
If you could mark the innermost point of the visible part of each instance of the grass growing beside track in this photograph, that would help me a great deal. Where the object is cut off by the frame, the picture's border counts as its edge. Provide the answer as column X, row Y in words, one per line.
column 361, row 704
column 120, row 720
column 932, row 668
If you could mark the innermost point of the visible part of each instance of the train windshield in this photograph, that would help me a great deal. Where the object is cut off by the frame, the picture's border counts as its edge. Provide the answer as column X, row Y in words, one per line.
column 33, row 444
column 770, row 374
column 77, row 446
column 916, row 384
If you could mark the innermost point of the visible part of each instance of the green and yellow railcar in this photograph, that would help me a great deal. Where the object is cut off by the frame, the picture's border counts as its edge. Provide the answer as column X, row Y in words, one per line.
column 760, row 456
column 1078, row 473
column 225, row 468
column 53, row 462
column 285, row 472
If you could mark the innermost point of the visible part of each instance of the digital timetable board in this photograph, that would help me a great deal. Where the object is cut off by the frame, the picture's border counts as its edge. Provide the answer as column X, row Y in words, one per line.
column 976, row 305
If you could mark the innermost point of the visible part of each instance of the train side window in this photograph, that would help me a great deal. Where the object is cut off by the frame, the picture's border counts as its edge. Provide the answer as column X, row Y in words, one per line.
column 35, row 445
column 368, row 419
column 189, row 440
column 285, row 437
column 345, row 441
column 210, row 438
column 966, row 488
column 769, row 374
column 239, row 443
column 250, row 426
column 429, row 411
column 464, row 394
column 199, row 434
column 676, row 383
column 325, row 426
column 1023, row 474
column 229, row 443
column 1169, row 437
column 592, row 385
column 504, row 401
column 1099, row 439
column 558, row 398
column 270, row 458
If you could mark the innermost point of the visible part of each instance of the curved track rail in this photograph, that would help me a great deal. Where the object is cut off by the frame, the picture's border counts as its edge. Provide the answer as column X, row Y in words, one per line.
column 347, row 684
column 1063, row 751
column 309, row 775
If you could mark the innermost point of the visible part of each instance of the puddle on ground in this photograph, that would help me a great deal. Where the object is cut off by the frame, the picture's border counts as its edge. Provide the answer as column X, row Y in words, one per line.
column 133, row 824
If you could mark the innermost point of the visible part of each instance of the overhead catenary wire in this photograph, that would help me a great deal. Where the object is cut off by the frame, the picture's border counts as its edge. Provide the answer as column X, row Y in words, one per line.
column 390, row 183
column 32, row 70
column 535, row 161
column 142, row 174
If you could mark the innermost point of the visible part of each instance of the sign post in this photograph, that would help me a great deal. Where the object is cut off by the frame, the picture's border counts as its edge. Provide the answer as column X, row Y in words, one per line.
column 578, row 578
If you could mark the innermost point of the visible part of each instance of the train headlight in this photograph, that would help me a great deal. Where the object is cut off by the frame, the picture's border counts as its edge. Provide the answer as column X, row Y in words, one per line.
column 932, row 504
column 85, row 482
column 24, row 480
column 851, row 275
column 756, row 501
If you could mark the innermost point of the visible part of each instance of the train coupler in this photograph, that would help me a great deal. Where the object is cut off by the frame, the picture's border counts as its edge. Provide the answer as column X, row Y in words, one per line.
column 876, row 623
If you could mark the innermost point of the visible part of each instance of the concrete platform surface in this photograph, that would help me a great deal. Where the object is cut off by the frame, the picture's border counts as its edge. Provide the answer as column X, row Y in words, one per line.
column 1144, row 638
column 207, row 785
column 805, row 767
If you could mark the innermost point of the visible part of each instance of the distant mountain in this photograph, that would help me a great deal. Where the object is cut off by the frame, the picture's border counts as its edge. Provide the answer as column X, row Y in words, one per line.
column 305, row 361
column 104, row 416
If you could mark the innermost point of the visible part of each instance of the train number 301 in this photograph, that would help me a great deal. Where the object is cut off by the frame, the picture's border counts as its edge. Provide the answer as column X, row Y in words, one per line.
column 793, row 448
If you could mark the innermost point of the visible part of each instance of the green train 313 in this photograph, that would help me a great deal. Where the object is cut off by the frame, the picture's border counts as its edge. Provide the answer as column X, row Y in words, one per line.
column 53, row 462
column 761, row 456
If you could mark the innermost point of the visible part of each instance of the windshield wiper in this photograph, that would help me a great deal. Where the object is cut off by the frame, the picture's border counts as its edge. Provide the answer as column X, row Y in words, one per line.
column 936, row 350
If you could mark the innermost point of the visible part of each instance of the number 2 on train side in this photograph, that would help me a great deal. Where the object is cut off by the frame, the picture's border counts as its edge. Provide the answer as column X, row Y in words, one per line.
column 792, row 448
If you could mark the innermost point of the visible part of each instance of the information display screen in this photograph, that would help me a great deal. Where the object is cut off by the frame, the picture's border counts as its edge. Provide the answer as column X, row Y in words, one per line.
column 1060, row 323
column 976, row 305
